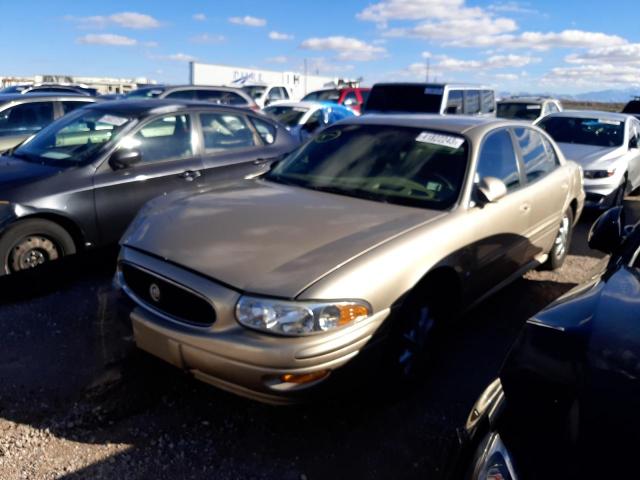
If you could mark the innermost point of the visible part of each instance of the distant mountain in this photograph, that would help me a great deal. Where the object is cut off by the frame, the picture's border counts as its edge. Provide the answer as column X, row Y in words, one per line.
column 604, row 96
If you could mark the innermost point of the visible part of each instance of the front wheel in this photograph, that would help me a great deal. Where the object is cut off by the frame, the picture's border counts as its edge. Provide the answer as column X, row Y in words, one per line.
column 30, row 243
column 561, row 244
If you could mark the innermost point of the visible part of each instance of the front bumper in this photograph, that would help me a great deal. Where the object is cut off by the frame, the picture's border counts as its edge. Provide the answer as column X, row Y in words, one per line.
column 232, row 357
column 600, row 193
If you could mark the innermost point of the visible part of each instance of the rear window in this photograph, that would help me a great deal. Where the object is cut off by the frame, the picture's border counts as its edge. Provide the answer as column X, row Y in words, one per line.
column 405, row 98
column 519, row 110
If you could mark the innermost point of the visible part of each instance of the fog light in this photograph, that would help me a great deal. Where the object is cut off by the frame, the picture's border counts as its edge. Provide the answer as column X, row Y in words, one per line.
column 304, row 377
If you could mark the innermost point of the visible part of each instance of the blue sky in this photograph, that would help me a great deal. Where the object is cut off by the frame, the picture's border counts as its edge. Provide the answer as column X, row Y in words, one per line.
column 567, row 46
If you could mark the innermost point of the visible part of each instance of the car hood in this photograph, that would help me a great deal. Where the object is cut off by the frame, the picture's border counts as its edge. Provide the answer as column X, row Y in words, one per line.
column 267, row 238
column 15, row 172
column 589, row 156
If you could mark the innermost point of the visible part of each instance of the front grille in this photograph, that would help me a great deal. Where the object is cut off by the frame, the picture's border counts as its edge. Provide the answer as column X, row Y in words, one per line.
column 167, row 297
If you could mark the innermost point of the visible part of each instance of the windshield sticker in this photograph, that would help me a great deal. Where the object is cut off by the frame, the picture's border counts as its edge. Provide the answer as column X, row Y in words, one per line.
column 609, row 122
column 328, row 136
column 433, row 91
column 441, row 140
column 113, row 120
column 434, row 186
column 533, row 107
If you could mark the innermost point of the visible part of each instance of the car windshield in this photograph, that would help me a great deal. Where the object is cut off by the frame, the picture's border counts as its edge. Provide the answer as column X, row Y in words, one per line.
column 390, row 164
column 74, row 139
column 255, row 91
column 405, row 98
column 290, row 116
column 597, row 132
column 145, row 93
column 519, row 110
column 323, row 95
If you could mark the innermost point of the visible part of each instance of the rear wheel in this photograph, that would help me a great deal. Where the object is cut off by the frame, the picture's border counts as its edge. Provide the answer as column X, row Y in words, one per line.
column 31, row 243
column 561, row 244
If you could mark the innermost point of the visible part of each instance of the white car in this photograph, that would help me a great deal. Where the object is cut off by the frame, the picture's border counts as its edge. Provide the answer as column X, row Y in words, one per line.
column 527, row 108
column 605, row 145
column 303, row 119
column 264, row 94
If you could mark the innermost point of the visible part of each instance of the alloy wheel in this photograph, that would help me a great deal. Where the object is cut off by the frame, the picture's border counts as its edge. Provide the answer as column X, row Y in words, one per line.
column 562, row 239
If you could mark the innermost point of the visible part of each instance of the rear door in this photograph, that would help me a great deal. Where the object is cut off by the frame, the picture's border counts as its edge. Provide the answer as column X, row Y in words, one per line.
column 170, row 162
column 232, row 146
column 547, row 187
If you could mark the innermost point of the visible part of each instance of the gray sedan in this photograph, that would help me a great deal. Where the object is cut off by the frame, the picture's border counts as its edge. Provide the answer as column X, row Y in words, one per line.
column 377, row 232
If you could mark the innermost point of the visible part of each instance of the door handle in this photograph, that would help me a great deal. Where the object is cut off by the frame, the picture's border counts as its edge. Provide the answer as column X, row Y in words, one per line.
column 190, row 175
column 525, row 207
column 260, row 161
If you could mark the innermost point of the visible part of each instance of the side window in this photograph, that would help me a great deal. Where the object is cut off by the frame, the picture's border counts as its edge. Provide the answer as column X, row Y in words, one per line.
column 220, row 96
column 285, row 94
column 350, row 99
column 222, row 131
column 488, row 101
column 498, row 159
column 551, row 153
column 71, row 106
column 471, row 102
column 535, row 156
column 454, row 102
column 265, row 129
column 314, row 122
column 182, row 95
column 275, row 94
column 164, row 139
column 26, row 118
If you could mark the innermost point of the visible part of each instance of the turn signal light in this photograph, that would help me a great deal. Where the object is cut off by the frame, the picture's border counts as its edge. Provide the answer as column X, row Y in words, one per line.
column 304, row 377
column 351, row 312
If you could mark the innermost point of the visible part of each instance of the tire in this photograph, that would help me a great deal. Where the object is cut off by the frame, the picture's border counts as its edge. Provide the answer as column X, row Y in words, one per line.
column 561, row 244
column 618, row 198
column 31, row 243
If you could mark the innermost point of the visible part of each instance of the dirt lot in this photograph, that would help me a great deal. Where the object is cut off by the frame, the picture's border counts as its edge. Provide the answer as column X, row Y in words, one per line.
column 78, row 401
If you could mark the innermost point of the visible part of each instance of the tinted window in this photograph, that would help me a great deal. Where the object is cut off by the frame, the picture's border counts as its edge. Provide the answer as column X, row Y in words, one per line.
column 401, row 165
column 290, row 116
column 266, row 130
column 75, row 138
column 221, row 96
column 275, row 94
column 182, row 95
column 454, row 102
column 471, row 102
column 498, row 159
column 315, row 121
column 365, row 95
column 487, row 101
column 26, row 118
column 285, row 94
column 535, row 156
column 165, row 138
column 223, row 131
column 405, row 98
column 71, row 106
column 584, row 131
column 519, row 110
column 149, row 92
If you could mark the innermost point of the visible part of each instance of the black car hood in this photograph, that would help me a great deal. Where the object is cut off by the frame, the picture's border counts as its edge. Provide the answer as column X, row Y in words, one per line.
column 15, row 172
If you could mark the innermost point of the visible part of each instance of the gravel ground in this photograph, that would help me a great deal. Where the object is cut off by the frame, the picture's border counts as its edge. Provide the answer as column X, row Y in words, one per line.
column 78, row 401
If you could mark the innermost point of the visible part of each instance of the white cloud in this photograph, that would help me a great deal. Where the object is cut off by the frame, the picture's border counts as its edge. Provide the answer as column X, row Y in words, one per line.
column 248, row 21
column 449, row 64
column 208, row 38
column 508, row 77
column 107, row 39
column 199, row 17
column 602, row 75
column 321, row 66
column 280, row 36
column 150, row 44
column 617, row 54
column 180, row 57
column 133, row 20
column 277, row 59
column 347, row 48
column 523, row 8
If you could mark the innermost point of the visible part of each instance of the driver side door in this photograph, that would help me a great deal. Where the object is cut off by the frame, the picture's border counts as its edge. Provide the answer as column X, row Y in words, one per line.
column 170, row 162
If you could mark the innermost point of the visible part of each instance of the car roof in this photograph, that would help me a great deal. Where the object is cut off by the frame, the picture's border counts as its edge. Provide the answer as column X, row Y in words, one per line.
column 152, row 106
column 10, row 97
column 619, row 117
column 458, row 124
column 310, row 104
column 433, row 85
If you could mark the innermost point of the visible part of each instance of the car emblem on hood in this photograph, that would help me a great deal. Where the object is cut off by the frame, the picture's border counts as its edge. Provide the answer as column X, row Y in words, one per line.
column 154, row 292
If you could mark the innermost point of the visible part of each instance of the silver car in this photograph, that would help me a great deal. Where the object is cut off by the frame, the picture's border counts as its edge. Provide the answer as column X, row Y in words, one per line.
column 527, row 108
column 605, row 145
column 376, row 233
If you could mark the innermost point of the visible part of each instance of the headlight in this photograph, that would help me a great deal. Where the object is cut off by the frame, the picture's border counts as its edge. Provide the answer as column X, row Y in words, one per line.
column 298, row 318
column 599, row 173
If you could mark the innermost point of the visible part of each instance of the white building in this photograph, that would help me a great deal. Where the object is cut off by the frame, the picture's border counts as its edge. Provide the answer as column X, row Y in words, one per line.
column 101, row 84
column 298, row 83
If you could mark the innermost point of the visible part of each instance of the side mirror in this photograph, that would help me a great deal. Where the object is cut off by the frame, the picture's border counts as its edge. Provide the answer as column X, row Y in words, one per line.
column 124, row 158
column 633, row 143
column 491, row 189
column 606, row 233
